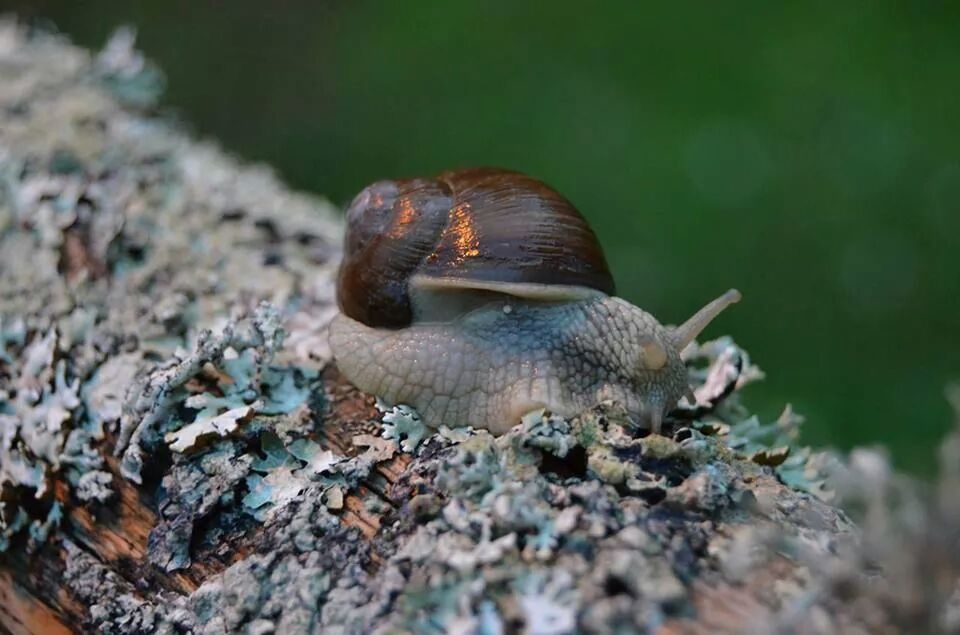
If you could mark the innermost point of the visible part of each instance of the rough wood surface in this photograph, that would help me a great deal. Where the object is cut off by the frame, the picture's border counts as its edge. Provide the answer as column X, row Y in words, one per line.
column 178, row 454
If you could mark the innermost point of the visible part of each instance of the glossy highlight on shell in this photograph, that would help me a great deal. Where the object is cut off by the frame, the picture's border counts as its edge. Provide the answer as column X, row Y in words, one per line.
column 478, row 227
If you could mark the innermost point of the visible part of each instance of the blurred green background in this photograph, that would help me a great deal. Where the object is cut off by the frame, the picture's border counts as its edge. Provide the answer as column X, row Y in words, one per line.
column 806, row 153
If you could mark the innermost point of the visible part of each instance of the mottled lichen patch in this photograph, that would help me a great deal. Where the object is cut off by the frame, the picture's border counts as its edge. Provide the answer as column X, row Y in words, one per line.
column 43, row 432
column 720, row 369
column 209, row 392
column 479, row 532
column 403, row 425
column 498, row 531
column 125, row 250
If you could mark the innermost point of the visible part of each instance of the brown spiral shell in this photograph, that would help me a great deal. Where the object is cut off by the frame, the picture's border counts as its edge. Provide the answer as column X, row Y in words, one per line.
column 483, row 224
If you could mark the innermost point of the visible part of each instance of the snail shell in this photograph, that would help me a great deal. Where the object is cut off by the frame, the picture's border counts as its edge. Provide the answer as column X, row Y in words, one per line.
column 463, row 235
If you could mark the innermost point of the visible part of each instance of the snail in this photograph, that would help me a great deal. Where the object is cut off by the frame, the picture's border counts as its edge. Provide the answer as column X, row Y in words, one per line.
column 482, row 294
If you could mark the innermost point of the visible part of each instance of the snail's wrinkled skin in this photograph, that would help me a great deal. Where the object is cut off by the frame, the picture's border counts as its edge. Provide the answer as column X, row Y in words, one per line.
column 489, row 367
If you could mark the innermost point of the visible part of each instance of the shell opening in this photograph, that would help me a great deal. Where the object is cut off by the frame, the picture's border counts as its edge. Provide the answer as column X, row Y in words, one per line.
column 689, row 330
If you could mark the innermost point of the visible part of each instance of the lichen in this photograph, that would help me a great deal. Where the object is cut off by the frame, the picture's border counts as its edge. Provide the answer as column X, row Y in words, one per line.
column 42, row 431
column 209, row 424
column 402, row 424
column 115, row 605
column 558, row 525
column 720, row 370
column 237, row 362
column 287, row 472
column 127, row 251
column 191, row 492
column 498, row 532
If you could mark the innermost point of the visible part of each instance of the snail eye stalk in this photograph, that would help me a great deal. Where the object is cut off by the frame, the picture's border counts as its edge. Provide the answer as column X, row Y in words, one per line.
column 689, row 330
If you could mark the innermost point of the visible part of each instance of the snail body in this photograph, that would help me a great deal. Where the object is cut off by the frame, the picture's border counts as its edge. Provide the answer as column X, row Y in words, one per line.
column 482, row 294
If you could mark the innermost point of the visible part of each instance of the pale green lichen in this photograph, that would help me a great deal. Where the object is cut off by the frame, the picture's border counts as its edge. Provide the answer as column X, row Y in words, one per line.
column 724, row 369
column 286, row 472
column 243, row 351
column 548, row 602
column 192, row 491
column 41, row 431
column 209, row 423
column 122, row 243
column 126, row 73
column 404, row 425
column 249, row 385
column 38, row 530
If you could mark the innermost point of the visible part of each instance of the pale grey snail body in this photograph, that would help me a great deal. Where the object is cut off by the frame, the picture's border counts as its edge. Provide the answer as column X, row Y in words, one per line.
column 482, row 295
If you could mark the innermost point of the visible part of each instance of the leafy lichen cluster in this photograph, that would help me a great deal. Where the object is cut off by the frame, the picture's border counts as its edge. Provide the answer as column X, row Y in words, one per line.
column 127, row 252
column 556, row 526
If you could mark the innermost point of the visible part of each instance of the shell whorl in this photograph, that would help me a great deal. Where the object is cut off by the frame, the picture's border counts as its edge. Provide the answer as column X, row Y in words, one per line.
column 479, row 224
